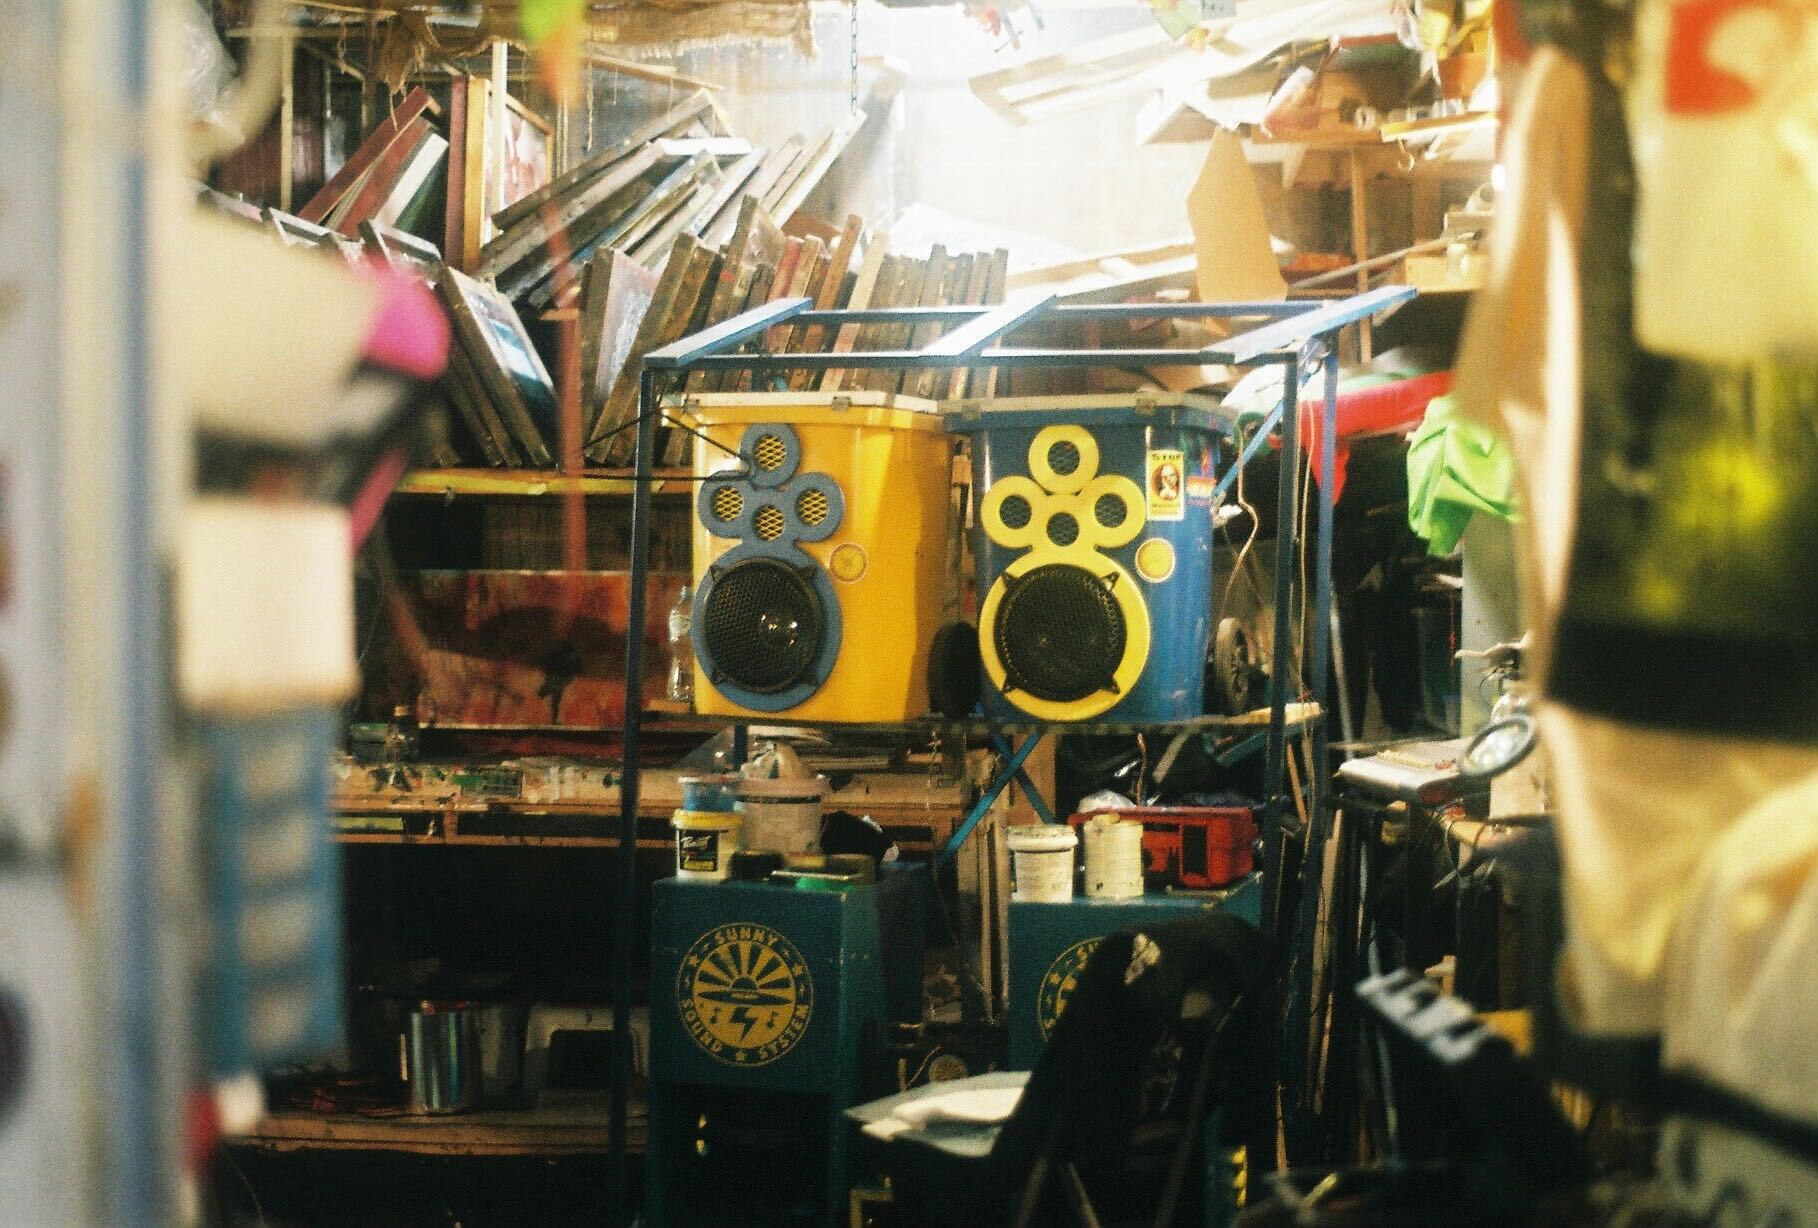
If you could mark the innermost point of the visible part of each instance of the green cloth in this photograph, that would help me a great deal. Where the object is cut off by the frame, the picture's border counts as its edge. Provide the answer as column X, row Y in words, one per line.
column 1456, row 468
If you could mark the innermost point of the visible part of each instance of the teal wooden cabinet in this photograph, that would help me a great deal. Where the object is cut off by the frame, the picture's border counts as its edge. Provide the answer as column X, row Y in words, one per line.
column 1049, row 944
column 767, row 1010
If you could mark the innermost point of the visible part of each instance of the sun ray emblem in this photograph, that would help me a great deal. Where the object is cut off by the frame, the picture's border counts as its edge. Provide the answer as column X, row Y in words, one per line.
column 745, row 994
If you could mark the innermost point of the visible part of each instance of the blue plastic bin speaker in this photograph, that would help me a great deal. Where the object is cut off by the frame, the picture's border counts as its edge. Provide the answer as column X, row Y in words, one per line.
column 1092, row 534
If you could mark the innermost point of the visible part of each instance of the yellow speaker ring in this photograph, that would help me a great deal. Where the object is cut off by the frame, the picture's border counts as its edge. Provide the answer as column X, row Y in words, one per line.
column 1008, row 512
column 1063, row 458
column 1130, row 603
column 1101, row 501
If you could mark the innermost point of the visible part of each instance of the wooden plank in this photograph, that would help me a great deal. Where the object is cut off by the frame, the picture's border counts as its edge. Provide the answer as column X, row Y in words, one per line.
column 568, row 1130
column 736, row 177
column 414, row 182
column 495, row 126
column 364, row 203
column 901, row 336
column 864, row 288
column 514, row 246
column 728, row 293
column 661, row 325
column 816, row 168
column 890, row 284
column 983, row 380
column 287, row 116
column 620, row 223
column 805, row 262
column 815, row 290
column 814, row 337
column 629, row 293
column 661, row 74
column 935, row 293
column 672, row 442
column 465, row 298
column 933, row 382
column 1360, row 250
column 598, row 163
column 503, row 451
column 595, row 291
column 713, row 146
column 977, row 283
column 776, row 163
column 798, row 164
column 473, row 174
column 454, row 204
column 369, row 151
column 460, row 394
column 656, row 244
column 672, row 193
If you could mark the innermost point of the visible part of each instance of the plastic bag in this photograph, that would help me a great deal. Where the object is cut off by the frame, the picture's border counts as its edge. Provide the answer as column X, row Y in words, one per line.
column 208, row 72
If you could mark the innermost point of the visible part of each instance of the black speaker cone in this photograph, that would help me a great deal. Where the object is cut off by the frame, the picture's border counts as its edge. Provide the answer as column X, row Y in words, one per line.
column 1059, row 633
column 763, row 626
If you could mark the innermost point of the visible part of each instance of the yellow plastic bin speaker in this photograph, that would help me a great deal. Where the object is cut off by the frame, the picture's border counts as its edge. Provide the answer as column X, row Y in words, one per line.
column 820, row 551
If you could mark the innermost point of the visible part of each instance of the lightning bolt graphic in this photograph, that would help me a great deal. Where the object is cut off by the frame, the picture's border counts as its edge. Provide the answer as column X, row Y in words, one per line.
column 743, row 1015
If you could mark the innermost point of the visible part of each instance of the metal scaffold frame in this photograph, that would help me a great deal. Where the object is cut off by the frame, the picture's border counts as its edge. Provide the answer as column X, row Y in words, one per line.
column 1298, row 336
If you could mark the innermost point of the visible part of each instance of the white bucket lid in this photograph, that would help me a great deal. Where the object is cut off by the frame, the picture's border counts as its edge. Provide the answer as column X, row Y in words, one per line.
column 1043, row 838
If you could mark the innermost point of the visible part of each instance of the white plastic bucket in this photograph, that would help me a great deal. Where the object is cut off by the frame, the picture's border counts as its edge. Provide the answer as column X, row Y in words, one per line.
column 1043, row 857
column 705, row 841
column 782, row 815
column 1114, row 857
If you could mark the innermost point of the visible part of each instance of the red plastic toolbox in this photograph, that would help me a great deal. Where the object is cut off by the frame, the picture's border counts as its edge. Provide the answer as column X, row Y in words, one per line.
column 1197, row 847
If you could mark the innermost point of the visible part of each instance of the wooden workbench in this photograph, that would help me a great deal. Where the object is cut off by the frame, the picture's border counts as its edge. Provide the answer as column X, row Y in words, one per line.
column 580, row 1129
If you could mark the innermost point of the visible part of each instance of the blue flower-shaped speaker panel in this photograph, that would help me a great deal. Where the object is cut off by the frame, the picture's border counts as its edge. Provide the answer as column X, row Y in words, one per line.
column 767, row 625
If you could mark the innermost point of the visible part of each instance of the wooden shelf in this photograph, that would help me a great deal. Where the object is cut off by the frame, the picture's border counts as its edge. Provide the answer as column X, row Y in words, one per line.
column 1245, row 722
column 566, row 1130
column 916, row 829
column 499, row 826
column 453, row 483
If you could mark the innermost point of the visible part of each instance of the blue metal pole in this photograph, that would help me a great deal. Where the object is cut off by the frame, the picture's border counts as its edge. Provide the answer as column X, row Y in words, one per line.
column 627, row 879
column 998, row 784
column 1036, row 800
column 140, row 1151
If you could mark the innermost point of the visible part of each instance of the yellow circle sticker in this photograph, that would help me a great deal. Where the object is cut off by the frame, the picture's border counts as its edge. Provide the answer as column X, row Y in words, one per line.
column 1058, row 983
column 745, row 994
column 1155, row 560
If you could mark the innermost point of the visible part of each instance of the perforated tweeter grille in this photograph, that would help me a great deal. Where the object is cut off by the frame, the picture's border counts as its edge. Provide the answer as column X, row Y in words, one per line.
column 1110, row 511
column 1059, row 633
column 763, row 625
column 1063, row 457
column 812, row 508
column 727, row 503
column 768, row 523
column 769, row 452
